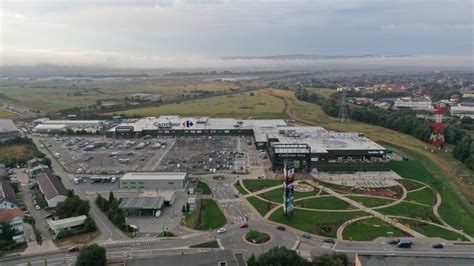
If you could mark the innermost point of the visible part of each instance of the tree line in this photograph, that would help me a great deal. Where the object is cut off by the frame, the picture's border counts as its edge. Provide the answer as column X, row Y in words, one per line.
column 402, row 121
column 110, row 207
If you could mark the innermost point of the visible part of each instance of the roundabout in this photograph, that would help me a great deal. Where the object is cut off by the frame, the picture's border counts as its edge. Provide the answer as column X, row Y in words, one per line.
column 256, row 237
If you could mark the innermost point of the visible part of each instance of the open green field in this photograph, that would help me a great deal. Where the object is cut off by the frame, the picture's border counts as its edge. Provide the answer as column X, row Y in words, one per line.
column 11, row 154
column 316, row 222
column 423, row 196
column 236, row 105
column 241, row 190
column 430, row 230
column 254, row 185
column 261, row 206
column 410, row 210
column 370, row 229
column 410, row 184
column 206, row 216
column 325, row 203
column 276, row 195
column 452, row 209
column 56, row 97
column 370, row 201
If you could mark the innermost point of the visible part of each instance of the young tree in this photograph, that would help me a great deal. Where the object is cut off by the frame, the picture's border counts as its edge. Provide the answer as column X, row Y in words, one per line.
column 183, row 210
column 111, row 197
column 91, row 255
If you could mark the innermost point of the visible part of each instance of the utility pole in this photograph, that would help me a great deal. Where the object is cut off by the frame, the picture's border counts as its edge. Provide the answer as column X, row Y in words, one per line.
column 343, row 112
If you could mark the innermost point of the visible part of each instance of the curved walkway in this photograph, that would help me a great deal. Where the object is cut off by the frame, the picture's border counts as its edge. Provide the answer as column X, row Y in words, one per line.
column 436, row 213
column 343, row 226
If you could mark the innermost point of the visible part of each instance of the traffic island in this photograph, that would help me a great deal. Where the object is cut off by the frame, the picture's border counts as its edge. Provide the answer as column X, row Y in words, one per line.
column 256, row 237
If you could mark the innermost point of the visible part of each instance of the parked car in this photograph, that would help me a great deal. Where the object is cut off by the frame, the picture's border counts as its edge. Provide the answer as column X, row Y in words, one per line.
column 74, row 248
column 37, row 207
column 157, row 214
column 404, row 244
column 244, row 226
column 329, row 240
column 392, row 242
column 281, row 227
column 305, row 235
column 221, row 231
column 437, row 245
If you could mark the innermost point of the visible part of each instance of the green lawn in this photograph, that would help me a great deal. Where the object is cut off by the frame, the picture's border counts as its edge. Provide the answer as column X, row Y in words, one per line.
column 255, row 236
column 316, row 222
column 328, row 203
column 206, row 216
column 276, row 195
column 204, row 188
column 371, row 202
column 432, row 230
column 240, row 189
column 454, row 211
column 410, row 210
column 370, row 229
column 424, row 196
column 261, row 206
column 409, row 184
column 259, row 184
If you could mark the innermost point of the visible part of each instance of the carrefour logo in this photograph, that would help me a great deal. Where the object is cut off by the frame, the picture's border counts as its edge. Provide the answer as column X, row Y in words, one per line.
column 188, row 124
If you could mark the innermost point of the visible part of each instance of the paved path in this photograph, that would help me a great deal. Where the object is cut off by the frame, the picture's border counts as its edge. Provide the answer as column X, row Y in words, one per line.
column 382, row 217
column 436, row 213
column 261, row 191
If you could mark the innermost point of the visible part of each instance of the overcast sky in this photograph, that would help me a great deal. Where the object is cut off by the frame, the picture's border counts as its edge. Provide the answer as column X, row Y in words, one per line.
column 89, row 31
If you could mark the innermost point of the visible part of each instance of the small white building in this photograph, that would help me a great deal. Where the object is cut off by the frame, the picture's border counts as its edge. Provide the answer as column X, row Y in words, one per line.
column 401, row 104
column 154, row 181
column 14, row 217
column 462, row 111
column 58, row 225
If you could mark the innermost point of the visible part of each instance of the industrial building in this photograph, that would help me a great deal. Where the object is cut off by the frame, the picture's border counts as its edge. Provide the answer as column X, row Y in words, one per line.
column 462, row 111
column 8, row 130
column 52, row 188
column 8, row 198
column 408, row 104
column 44, row 125
column 58, row 225
column 154, row 181
column 311, row 148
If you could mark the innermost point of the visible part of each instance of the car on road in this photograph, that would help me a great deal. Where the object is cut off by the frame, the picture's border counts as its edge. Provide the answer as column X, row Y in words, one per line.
column 157, row 214
column 404, row 244
column 329, row 240
column 221, row 231
column 305, row 235
column 281, row 227
column 244, row 225
column 437, row 245
column 392, row 242
column 74, row 248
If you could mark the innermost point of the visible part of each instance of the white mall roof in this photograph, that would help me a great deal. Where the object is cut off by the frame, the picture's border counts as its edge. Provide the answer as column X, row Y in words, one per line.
column 154, row 176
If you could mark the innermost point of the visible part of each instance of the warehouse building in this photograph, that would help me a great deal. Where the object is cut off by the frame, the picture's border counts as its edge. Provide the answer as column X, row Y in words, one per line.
column 8, row 130
column 57, row 225
column 154, row 181
column 310, row 148
column 52, row 188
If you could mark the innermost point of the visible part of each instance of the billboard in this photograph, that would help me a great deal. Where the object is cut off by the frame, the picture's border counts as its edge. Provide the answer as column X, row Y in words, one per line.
column 288, row 193
column 124, row 129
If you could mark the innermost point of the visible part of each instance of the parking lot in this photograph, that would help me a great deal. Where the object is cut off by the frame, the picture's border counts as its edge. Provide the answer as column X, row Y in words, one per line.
column 100, row 155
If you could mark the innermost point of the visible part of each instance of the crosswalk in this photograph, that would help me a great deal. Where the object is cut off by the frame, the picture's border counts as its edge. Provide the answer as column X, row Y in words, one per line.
column 193, row 235
column 137, row 240
column 147, row 254
column 229, row 200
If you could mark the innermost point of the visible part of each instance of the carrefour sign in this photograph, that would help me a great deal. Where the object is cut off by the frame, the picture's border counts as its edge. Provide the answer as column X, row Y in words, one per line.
column 169, row 124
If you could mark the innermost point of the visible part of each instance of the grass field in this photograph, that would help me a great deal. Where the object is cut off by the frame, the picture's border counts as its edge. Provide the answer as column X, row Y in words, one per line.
column 259, row 184
column 432, row 230
column 17, row 152
column 452, row 209
column 6, row 114
column 325, row 203
column 261, row 206
column 409, row 184
column 206, row 216
column 371, row 202
column 370, row 229
column 219, row 106
column 204, row 188
column 276, row 195
column 316, row 222
column 424, row 196
column 410, row 210
column 241, row 190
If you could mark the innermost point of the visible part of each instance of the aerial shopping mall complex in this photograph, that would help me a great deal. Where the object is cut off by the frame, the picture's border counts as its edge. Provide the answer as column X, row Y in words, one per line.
column 310, row 148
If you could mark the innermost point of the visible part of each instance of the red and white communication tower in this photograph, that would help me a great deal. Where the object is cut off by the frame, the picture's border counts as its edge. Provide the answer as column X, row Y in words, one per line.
column 437, row 137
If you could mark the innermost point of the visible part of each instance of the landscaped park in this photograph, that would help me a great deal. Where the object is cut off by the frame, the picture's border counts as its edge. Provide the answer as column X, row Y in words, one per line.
column 408, row 208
